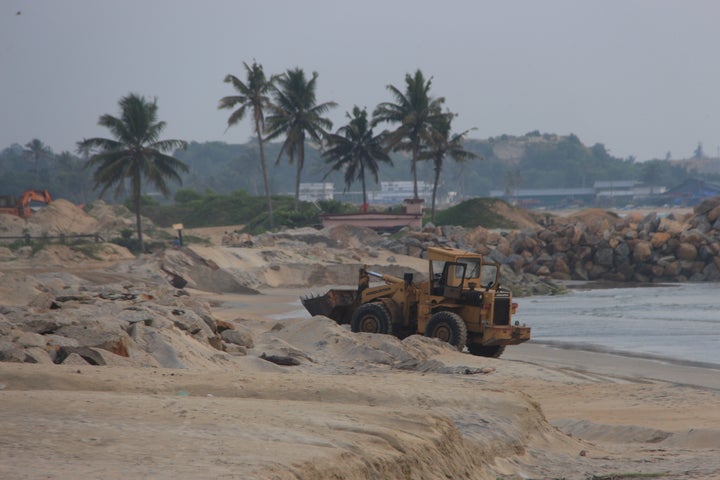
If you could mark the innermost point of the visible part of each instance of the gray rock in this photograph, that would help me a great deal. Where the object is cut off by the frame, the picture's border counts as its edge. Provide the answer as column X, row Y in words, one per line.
column 28, row 339
column 9, row 352
column 38, row 355
column 60, row 341
column 75, row 360
column 238, row 337
column 99, row 334
column 89, row 355
column 604, row 256
column 162, row 350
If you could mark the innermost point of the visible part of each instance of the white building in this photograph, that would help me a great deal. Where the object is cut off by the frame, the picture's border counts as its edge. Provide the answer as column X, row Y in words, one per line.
column 397, row 192
column 312, row 192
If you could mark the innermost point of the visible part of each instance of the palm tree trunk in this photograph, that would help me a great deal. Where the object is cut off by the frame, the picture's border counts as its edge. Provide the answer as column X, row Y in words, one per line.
column 435, row 186
column 138, row 222
column 265, row 175
column 300, row 161
column 415, row 154
column 362, row 178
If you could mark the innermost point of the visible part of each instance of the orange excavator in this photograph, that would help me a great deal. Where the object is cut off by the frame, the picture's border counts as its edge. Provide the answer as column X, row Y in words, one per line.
column 20, row 206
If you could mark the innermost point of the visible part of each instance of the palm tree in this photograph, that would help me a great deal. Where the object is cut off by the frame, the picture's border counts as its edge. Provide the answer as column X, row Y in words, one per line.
column 297, row 115
column 72, row 174
column 36, row 150
column 512, row 181
column 651, row 174
column 136, row 152
column 416, row 112
column 444, row 144
column 355, row 149
column 253, row 96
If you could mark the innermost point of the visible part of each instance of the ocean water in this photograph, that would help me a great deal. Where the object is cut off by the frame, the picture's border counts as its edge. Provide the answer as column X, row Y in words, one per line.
column 679, row 322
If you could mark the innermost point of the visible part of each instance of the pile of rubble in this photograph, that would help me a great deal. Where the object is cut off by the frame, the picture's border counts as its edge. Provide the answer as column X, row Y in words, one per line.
column 125, row 325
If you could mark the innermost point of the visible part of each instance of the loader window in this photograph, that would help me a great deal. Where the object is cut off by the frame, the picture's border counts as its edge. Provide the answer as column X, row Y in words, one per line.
column 472, row 268
column 489, row 275
column 436, row 282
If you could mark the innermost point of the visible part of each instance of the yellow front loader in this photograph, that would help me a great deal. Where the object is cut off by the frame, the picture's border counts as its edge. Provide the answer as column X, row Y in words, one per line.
column 461, row 302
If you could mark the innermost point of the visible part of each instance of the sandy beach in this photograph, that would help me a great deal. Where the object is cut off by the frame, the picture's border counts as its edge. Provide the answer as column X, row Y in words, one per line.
column 538, row 412
column 351, row 406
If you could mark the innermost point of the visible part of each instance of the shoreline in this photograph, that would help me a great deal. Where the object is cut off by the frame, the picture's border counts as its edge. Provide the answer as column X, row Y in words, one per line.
column 282, row 304
column 589, row 347
column 615, row 364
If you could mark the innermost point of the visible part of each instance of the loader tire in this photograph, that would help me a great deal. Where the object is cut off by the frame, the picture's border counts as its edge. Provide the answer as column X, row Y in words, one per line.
column 371, row 318
column 493, row 351
column 448, row 327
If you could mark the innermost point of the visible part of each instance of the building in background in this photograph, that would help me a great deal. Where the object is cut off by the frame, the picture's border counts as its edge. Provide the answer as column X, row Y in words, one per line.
column 312, row 192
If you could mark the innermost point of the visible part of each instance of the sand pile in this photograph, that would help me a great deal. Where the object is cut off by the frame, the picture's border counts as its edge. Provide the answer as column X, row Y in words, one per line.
column 64, row 217
column 58, row 217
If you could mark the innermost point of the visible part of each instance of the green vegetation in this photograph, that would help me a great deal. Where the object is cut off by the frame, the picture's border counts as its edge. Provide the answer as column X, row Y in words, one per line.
column 473, row 213
column 354, row 149
column 193, row 209
column 297, row 116
column 289, row 122
column 239, row 208
column 416, row 114
column 442, row 143
column 133, row 244
column 253, row 96
column 135, row 154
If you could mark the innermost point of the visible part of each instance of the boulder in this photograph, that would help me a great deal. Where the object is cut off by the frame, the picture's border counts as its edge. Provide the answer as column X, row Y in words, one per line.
column 707, row 206
column 240, row 337
column 672, row 227
column 659, row 239
column 89, row 355
column 604, row 257
column 28, row 339
column 98, row 334
column 622, row 253
column 642, row 251
column 686, row 251
column 711, row 272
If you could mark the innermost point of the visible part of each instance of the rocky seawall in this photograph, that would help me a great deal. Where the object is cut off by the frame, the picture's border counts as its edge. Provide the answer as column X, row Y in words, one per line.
column 595, row 245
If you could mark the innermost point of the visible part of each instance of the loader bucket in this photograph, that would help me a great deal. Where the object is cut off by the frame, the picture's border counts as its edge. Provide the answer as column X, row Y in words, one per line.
column 318, row 305
column 337, row 304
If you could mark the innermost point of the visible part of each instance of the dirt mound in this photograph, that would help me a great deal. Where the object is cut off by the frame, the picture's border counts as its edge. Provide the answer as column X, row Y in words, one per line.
column 596, row 219
column 59, row 217
column 67, row 255
column 520, row 217
column 353, row 236
column 486, row 212
column 323, row 343
column 111, row 218
column 62, row 216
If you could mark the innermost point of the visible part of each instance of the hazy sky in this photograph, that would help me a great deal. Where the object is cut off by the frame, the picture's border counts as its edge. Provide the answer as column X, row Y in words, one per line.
column 640, row 76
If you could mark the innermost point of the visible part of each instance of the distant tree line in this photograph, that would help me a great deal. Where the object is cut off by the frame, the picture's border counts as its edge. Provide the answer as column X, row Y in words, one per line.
column 290, row 123
column 224, row 168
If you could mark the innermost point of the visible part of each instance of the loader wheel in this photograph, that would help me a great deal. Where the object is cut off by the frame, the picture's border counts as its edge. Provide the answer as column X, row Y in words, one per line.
column 448, row 327
column 493, row 351
column 371, row 318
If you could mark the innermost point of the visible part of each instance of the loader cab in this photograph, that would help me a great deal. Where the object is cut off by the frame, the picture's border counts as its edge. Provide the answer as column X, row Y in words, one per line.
column 451, row 271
